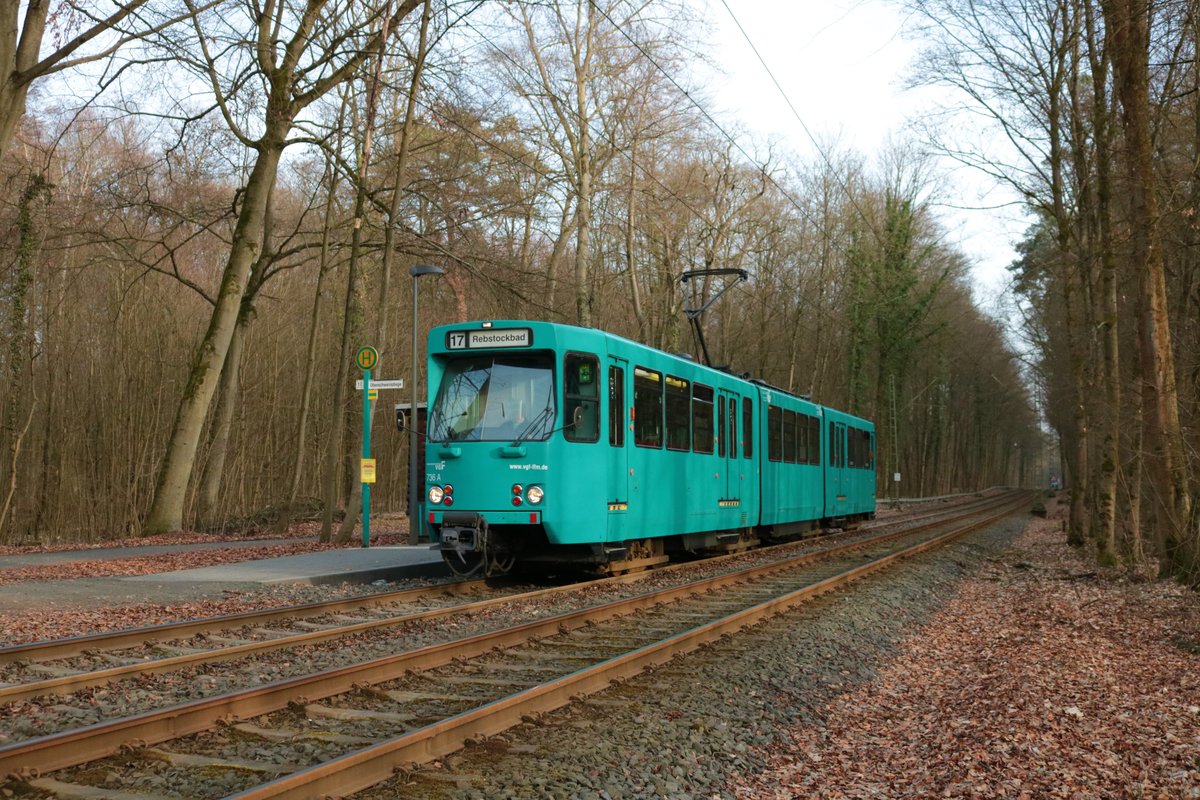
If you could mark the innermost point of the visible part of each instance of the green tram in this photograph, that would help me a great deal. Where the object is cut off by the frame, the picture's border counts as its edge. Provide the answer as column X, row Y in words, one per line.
column 562, row 445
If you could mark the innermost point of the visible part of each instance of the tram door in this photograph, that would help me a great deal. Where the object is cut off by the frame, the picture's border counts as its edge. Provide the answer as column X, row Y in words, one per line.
column 618, row 436
column 731, row 446
column 837, row 468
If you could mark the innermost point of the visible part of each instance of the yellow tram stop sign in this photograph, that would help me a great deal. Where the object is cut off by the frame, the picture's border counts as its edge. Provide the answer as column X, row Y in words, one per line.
column 366, row 470
column 366, row 357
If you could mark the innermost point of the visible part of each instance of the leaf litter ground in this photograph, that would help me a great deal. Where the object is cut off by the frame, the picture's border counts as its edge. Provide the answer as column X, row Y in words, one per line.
column 1040, row 679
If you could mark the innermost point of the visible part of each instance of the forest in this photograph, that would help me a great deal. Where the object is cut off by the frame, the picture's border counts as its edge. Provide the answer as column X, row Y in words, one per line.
column 210, row 206
column 1100, row 104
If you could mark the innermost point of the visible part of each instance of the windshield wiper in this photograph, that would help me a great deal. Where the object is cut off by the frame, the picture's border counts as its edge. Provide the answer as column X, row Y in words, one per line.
column 448, row 435
column 535, row 424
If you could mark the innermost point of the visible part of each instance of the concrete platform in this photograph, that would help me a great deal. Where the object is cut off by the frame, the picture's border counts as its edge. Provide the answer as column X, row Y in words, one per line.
column 355, row 565
column 117, row 553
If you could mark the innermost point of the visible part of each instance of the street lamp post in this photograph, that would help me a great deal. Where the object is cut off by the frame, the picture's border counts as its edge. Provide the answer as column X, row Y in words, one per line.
column 414, row 492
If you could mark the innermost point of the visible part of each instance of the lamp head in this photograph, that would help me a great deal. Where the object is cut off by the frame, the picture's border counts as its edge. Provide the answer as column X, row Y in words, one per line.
column 425, row 269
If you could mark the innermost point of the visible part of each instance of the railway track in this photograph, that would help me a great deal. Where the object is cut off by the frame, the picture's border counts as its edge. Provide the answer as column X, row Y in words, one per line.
column 66, row 666
column 343, row 729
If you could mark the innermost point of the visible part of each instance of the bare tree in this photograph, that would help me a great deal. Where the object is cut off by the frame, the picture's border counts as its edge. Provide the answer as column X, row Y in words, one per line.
column 21, row 59
column 576, row 61
column 1128, row 22
column 324, row 46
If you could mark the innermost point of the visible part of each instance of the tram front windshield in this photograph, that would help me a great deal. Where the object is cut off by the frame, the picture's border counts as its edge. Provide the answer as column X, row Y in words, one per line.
column 489, row 397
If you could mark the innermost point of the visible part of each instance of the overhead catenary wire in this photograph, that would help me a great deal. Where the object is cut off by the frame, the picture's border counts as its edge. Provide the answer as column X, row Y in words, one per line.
column 708, row 116
column 803, row 126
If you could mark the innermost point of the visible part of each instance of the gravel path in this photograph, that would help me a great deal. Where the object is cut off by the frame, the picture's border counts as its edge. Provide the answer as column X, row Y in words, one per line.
column 697, row 727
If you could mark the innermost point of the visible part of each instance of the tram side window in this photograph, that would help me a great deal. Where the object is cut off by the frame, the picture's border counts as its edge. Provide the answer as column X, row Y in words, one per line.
column 647, row 407
column 868, row 451
column 732, row 408
column 616, row 406
column 702, row 418
column 721, row 426
column 814, row 440
column 679, row 429
column 774, row 433
column 789, row 436
column 747, row 428
column 802, row 439
column 582, row 391
column 852, row 450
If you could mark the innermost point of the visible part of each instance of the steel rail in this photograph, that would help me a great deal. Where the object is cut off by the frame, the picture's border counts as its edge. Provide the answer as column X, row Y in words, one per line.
column 51, row 649
column 917, row 514
column 73, row 747
column 358, row 770
column 66, row 684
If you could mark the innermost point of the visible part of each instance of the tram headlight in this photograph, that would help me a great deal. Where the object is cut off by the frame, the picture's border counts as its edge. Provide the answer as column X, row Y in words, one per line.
column 535, row 494
column 436, row 494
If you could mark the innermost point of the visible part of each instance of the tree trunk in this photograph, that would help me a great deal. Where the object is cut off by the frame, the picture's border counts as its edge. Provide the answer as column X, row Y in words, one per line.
column 227, row 401
column 355, row 322
column 310, row 361
column 1110, row 372
column 170, row 495
column 214, row 469
column 1128, row 22
column 20, row 338
column 583, row 229
column 17, row 55
column 352, row 325
column 631, row 272
column 1135, row 542
column 399, row 178
column 566, row 227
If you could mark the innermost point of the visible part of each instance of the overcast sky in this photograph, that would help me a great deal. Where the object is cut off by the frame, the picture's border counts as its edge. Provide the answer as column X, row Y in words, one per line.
column 843, row 65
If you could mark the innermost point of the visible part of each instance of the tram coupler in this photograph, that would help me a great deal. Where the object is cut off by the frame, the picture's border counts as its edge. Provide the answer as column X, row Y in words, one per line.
column 462, row 533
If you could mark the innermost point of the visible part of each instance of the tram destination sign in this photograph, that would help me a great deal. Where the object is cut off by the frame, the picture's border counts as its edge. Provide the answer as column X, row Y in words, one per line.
column 489, row 338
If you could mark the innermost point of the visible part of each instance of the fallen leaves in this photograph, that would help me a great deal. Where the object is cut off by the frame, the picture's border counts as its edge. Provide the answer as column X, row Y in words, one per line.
column 165, row 562
column 1032, row 682
column 159, row 562
column 55, row 623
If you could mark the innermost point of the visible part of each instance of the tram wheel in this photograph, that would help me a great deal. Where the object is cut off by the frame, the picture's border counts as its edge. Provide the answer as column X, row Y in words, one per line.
column 473, row 565
column 464, row 565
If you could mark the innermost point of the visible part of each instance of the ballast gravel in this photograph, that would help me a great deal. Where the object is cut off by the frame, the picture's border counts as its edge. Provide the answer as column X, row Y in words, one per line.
column 49, row 714
column 689, row 729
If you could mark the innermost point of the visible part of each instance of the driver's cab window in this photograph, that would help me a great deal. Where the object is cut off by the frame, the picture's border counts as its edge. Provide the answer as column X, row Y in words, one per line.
column 581, row 393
